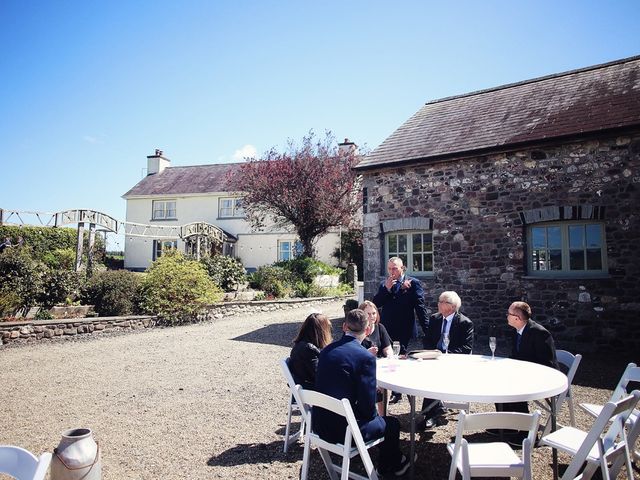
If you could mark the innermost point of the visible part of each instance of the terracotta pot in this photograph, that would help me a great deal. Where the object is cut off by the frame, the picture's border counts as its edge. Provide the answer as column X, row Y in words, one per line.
column 77, row 457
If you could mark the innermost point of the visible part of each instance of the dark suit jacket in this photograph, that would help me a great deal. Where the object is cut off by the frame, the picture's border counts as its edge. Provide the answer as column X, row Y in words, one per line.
column 399, row 308
column 347, row 370
column 460, row 333
column 536, row 345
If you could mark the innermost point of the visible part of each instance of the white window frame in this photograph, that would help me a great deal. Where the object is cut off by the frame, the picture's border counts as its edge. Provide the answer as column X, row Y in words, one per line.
column 160, row 245
column 161, row 210
column 405, row 250
column 539, row 268
column 288, row 248
column 233, row 209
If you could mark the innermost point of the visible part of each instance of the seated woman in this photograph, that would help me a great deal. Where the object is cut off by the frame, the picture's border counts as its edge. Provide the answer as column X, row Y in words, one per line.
column 378, row 341
column 314, row 335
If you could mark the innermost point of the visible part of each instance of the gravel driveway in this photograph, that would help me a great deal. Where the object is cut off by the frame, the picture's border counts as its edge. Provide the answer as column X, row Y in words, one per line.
column 198, row 401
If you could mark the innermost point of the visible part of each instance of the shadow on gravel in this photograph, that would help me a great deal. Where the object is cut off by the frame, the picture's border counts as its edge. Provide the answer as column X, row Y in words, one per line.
column 249, row 453
column 282, row 334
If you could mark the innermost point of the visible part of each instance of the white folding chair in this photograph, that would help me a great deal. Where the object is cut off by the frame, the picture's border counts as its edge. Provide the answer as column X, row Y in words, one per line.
column 594, row 448
column 630, row 374
column 571, row 363
column 22, row 464
column 345, row 449
column 294, row 406
column 493, row 459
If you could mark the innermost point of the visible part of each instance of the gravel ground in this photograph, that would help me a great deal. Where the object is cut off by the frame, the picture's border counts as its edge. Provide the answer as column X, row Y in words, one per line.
column 199, row 401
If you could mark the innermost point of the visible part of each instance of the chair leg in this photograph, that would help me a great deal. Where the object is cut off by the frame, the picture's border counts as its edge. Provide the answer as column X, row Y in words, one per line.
column 305, row 458
column 287, row 429
column 328, row 463
column 346, row 461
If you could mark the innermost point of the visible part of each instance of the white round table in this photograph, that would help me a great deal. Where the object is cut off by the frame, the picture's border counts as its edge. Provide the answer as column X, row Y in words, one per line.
column 470, row 378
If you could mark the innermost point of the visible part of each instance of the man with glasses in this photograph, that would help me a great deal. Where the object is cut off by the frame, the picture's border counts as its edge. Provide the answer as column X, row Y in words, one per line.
column 459, row 329
column 532, row 343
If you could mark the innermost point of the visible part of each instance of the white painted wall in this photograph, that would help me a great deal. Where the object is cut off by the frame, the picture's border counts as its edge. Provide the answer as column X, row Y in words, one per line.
column 253, row 248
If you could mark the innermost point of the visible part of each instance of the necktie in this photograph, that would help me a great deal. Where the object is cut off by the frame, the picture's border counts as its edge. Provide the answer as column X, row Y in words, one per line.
column 518, row 340
column 444, row 330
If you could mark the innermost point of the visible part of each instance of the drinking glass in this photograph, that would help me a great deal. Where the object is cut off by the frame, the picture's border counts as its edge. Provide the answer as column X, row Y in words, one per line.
column 445, row 343
column 492, row 346
column 396, row 349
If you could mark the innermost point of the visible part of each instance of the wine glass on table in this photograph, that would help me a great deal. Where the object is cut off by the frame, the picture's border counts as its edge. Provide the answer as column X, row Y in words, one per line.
column 492, row 346
column 396, row 349
column 445, row 343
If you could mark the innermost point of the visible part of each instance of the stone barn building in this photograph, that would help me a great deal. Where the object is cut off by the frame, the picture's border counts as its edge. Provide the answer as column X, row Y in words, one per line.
column 525, row 191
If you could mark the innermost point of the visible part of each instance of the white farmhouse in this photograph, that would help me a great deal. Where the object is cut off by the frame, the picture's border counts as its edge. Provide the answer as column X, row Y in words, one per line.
column 176, row 196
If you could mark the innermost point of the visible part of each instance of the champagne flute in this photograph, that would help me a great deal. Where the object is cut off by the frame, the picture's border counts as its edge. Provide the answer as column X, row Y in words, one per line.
column 396, row 349
column 445, row 343
column 492, row 346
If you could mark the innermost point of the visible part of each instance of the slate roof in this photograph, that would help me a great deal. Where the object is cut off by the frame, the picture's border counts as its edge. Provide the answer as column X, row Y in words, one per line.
column 585, row 101
column 185, row 180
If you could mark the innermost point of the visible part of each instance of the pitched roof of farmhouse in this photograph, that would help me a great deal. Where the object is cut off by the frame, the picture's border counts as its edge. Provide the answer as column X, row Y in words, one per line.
column 185, row 180
column 593, row 99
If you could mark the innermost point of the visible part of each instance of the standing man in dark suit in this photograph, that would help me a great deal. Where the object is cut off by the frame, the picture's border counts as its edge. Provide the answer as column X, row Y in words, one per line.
column 347, row 370
column 459, row 328
column 400, row 299
column 531, row 343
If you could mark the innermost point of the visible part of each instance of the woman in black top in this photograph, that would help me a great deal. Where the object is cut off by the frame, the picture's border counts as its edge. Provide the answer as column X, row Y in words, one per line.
column 378, row 340
column 314, row 335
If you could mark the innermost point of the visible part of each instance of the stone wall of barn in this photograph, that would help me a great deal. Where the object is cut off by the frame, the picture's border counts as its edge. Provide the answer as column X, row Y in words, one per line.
column 478, row 209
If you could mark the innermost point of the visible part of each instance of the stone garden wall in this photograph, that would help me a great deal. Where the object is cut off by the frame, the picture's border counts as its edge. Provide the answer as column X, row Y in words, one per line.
column 478, row 209
column 45, row 330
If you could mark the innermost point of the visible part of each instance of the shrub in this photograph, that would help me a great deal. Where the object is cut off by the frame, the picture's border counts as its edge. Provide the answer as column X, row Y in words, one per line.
column 112, row 292
column 60, row 258
column 306, row 290
column 176, row 288
column 21, row 275
column 307, row 268
column 273, row 281
column 43, row 314
column 59, row 286
column 226, row 272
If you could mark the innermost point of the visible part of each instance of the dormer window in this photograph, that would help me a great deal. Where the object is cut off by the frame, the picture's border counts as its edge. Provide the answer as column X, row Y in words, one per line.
column 164, row 210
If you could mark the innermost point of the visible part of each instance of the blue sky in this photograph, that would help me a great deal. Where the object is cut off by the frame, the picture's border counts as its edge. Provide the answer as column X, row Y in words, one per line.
column 90, row 88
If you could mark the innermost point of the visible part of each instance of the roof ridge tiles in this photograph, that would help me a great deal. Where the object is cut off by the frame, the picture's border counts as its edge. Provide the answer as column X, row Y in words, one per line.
column 535, row 80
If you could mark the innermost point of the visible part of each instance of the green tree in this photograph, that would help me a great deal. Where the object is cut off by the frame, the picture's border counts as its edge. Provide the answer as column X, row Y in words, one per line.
column 22, row 278
column 227, row 272
column 176, row 288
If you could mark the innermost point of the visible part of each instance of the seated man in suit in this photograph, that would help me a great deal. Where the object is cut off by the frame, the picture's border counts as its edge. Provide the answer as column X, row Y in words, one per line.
column 459, row 328
column 347, row 370
column 532, row 343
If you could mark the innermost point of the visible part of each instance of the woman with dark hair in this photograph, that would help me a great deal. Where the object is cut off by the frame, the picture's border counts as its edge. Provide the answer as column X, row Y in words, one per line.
column 378, row 341
column 314, row 335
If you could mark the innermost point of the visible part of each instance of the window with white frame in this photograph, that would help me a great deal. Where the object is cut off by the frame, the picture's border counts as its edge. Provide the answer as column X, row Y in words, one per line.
column 288, row 249
column 160, row 246
column 230, row 207
column 561, row 248
column 414, row 248
column 164, row 210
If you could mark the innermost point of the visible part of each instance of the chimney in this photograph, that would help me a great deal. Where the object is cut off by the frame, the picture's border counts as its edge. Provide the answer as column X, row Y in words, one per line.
column 347, row 148
column 156, row 163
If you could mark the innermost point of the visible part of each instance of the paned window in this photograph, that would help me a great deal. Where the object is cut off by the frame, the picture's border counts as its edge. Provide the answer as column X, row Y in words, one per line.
column 414, row 248
column 161, row 245
column 567, row 248
column 164, row 210
column 230, row 208
column 288, row 249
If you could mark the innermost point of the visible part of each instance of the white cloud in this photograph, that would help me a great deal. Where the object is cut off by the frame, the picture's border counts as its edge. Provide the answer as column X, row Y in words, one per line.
column 244, row 152
column 90, row 139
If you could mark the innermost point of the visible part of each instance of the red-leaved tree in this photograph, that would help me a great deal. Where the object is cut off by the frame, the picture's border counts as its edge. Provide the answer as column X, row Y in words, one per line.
column 311, row 186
